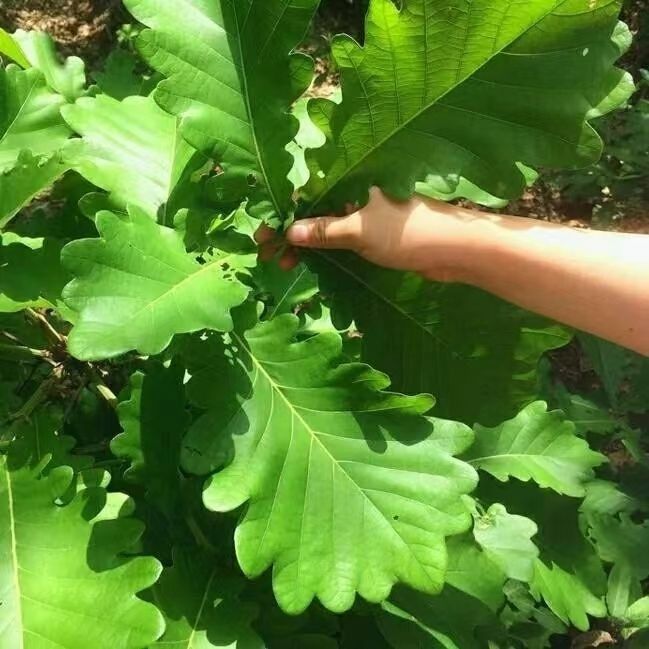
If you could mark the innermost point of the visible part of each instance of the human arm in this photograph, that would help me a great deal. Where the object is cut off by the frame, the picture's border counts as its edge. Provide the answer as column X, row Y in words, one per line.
column 594, row 281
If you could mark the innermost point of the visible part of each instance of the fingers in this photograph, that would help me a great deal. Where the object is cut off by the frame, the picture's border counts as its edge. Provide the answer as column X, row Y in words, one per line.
column 270, row 245
column 265, row 234
column 328, row 232
column 289, row 260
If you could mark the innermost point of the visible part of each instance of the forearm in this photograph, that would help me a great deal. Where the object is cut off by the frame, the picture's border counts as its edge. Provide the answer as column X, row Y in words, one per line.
column 594, row 281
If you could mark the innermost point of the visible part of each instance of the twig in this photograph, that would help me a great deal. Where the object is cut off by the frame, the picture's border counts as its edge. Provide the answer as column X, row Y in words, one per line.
column 40, row 394
column 21, row 353
column 47, row 327
column 98, row 385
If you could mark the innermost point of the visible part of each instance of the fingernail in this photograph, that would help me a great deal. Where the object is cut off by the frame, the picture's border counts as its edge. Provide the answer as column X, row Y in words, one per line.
column 298, row 234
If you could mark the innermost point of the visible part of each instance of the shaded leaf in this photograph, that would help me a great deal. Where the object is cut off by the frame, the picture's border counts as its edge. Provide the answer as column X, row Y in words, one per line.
column 30, row 272
column 154, row 421
column 27, row 177
column 477, row 354
column 462, row 616
column 118, row 78
column 201, row 607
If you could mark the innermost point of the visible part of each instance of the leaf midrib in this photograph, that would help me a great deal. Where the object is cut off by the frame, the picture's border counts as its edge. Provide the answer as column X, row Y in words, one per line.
column 253, row 126
column 371, row 150
column 14, row 548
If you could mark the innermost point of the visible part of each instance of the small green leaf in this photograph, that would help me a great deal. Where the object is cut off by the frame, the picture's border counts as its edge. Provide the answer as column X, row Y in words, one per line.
column 638, row 613
column 30, row 272
column 136, row 287
column 536, row 445
column 67, row 79
column 506, row 540
column 9, row 47
column 566, row 595
column 621, row 541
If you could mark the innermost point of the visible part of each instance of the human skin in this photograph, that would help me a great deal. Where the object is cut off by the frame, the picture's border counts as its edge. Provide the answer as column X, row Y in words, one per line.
column 594, row 281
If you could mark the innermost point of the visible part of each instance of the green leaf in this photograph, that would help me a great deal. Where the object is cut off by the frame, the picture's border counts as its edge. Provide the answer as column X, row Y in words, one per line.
column 536, row 445
column 477, row 354
column 136, row 287
column 566, row 595
column 154, row 421
column 623, row 588
column 568, row 575
column 610, row 362
column 9, row 47
column 285, row 291
column 231, row 79
column 585, row 413
column 40, row 437
column 201, row 605
column 462, row 616
column 433, row 188
column 118, row 78
column 506, row 540
column 621, row 541
column 28, row 176
column 132, row 149
column 605, row 497
column 30, row 272
column 638, row 613
column 348, row 489
column 32, row 133
column 30, row 116
column 65, row 579
column 68, row 79
column 466, row 92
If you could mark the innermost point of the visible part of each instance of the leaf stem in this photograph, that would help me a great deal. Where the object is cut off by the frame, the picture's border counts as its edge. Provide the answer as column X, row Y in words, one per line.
column 54, row 336
column 20, row 353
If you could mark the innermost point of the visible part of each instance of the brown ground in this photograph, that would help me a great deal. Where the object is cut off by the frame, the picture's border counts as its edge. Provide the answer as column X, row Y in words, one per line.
column 82, row 27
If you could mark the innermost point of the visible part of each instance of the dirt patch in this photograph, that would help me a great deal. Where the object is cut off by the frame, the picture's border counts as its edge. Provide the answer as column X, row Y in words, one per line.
column 82, row 27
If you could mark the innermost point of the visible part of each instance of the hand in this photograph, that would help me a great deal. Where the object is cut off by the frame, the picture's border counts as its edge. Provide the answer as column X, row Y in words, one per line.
column 433, row 239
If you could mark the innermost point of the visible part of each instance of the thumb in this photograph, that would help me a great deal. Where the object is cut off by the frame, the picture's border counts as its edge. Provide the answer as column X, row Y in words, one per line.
column 325, row 232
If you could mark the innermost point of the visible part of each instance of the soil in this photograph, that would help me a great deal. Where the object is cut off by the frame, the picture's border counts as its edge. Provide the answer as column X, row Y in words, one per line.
column 82, row 27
